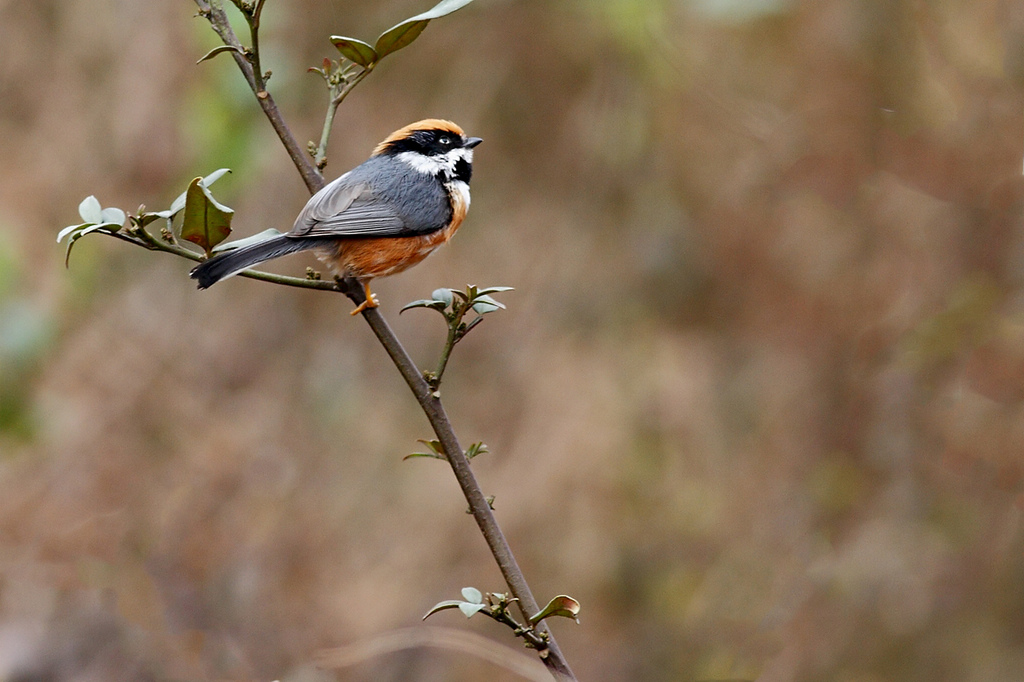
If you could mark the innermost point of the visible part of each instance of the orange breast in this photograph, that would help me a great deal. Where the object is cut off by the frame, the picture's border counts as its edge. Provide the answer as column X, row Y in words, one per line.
column 383, row 256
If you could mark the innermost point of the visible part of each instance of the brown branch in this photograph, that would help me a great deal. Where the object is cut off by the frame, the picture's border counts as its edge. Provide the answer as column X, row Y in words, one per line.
column 213, row 11
column 429, row 400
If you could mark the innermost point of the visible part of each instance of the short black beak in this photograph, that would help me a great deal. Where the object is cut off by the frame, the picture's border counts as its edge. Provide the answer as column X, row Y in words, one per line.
column 472, row 142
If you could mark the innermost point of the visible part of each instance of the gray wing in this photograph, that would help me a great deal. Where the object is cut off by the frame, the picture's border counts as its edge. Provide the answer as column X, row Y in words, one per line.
column 401, row 204
column 346, row 209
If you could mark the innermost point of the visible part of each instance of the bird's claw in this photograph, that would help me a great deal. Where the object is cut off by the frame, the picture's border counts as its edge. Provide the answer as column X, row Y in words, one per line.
column 370, row 302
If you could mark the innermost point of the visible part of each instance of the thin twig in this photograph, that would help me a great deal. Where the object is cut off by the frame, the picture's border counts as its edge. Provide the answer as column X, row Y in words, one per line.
column 214, row 12
column 431, row 404
column 320, row 158
column 140, row 237
column 446, row 353
column 338, row 95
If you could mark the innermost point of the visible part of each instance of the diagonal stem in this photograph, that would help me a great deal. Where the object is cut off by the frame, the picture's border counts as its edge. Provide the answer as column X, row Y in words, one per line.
column 213, row 10
column 430, row 402
column 428, row 399
column 338, row 95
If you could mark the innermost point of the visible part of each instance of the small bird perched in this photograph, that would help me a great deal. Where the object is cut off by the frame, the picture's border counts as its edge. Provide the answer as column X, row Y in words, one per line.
column 382, row 217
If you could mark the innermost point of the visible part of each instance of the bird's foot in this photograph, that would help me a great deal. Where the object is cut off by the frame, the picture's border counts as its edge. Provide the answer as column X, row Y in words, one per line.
column 370, row 302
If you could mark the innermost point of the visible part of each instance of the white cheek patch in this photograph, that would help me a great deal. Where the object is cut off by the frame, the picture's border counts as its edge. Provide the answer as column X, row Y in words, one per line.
column 420, row 163
column 433, row 165
column 460, row 153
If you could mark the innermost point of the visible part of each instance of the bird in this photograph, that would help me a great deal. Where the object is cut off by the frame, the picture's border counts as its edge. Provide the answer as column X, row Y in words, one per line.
column 382, row 217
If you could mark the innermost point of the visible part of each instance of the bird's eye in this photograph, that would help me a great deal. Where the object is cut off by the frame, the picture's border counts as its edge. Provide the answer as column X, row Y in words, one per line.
column 445, row 141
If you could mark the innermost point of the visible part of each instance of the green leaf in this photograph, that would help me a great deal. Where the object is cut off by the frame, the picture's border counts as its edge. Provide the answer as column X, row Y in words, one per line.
column 355, row 51
column 402, row 34
column 93, row 228
column 86, row 229
column 476, row 449
column 67, row 252
column 493, row 290
column 562, row 605
column 247, row 241
column 206, row 222
column 215, row 176
column 90, row 210
column 96, row 218
column 443, row 295
column 176, row 206
column 441, row 606
column 424, row 303
column 399, row 36
column 144, row 219
column 179, row 202
column 485, row 304
column 471, row 594
column 469, row 609
column 433, row 444
column 217, row 50
column 413, row 455
column 113, row 216
column 69, row 229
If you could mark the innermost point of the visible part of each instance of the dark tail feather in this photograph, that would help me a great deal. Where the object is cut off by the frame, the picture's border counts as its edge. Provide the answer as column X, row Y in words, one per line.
column 220, row 267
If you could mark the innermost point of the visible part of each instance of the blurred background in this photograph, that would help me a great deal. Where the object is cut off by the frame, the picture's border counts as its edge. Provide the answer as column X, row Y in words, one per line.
column 757, row 402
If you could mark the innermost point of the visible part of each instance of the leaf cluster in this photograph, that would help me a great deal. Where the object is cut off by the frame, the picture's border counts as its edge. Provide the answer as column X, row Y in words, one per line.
column 94, row 218
column 454, row 306
column 495, row 605
column 395, row 38
column 205, row 221
column 436, row 451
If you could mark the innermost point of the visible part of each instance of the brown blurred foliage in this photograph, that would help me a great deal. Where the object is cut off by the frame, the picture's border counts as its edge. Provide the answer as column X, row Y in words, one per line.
column 758, row 401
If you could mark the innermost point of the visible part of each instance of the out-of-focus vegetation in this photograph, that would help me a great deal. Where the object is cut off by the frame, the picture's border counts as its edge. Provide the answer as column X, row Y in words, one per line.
column 757, row 401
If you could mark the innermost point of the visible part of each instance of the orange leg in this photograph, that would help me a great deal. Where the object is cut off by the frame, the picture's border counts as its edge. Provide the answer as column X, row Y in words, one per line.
column 370, row 302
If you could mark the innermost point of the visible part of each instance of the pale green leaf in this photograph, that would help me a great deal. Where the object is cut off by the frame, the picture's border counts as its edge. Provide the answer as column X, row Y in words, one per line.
column 563, row 605
column 179, row 201
column 355, row 51
column 402, row 34
column 493, row 290
column 90, row 210
column 423, row 303
column 69, row 229
column 441, row 606
column 471, row 594
column 206, row 222
column 217, row 50
column 443, row 295
column 113, row 216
